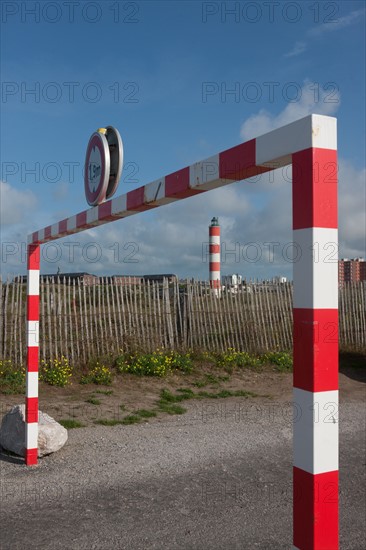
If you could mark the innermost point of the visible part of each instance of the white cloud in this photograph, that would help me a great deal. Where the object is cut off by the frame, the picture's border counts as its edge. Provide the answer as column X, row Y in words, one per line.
column 310, row 99
column 337, row 24
column 14, row 204
column 332, row 25
column 172, row 238
column 272, row 222
column 352, row 210
column 298, row 48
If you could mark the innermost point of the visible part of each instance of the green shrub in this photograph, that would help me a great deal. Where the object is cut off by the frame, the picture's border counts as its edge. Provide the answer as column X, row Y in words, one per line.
column 282, row 360
column 99, row 374
column 158, row 363
column 245, row 359
column 55, row 372
column 232, row 358
column 12, row 379
column 182, row 362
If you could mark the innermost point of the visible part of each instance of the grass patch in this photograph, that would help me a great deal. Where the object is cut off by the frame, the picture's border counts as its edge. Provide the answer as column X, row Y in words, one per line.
column 93, row 401
column 144, row 413
column 169, row 397
column 186, row 391
column 167, row 401
column 131, row 419
column 70, row 424
column 205, row 394
column 245, row 393
column 222, row 394
column 199, row 384
column 171, row 408
column 122, row 407
column 107, row 422
column 211, row 379
column 104, row 392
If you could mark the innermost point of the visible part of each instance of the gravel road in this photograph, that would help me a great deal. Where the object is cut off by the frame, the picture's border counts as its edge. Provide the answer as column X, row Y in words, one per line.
column 218, row 477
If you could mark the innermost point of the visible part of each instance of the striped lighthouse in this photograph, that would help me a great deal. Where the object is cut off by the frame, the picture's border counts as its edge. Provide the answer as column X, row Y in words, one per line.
column 214, row 250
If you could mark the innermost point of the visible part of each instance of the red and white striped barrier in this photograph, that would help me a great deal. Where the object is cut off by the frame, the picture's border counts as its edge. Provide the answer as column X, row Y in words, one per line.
column 214, row 252
column 315, row 305
column 31, row 403
column 310, row 145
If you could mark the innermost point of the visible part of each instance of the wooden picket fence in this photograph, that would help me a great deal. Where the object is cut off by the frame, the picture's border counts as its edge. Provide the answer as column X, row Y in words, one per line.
column 82, row 322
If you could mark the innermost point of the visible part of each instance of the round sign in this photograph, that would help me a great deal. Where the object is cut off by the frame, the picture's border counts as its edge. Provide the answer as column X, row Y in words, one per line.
column 97, row 169
column 116, row 154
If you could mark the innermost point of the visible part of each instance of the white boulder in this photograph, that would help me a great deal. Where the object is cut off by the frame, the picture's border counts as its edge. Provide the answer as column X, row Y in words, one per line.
column 51, row 435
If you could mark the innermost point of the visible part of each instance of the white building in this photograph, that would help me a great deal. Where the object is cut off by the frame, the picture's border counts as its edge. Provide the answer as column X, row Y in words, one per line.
column 232, row 280
column 279, row 279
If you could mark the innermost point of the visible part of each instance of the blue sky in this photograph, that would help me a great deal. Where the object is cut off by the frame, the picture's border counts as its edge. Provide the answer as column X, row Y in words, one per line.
column 162, row 72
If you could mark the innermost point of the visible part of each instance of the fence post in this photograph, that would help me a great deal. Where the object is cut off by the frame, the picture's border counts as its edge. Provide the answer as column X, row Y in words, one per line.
column 168, row 313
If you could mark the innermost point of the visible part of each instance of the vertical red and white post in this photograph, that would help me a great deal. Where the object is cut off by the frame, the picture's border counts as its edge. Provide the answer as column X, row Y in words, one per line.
column 31, row 401
column 214, row 254
column 315, row 443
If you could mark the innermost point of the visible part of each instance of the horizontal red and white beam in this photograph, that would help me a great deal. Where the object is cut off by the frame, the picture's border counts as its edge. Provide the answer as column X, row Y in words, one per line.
column 248, row 159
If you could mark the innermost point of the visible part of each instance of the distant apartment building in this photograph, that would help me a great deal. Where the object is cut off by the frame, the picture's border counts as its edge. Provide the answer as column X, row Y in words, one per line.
column 83, row 278
column 350, row 271
column 159, row 278
column 124, row 280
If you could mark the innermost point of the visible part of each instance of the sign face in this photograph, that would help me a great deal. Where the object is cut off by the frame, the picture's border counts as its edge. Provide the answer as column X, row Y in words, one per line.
column 97, row 169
